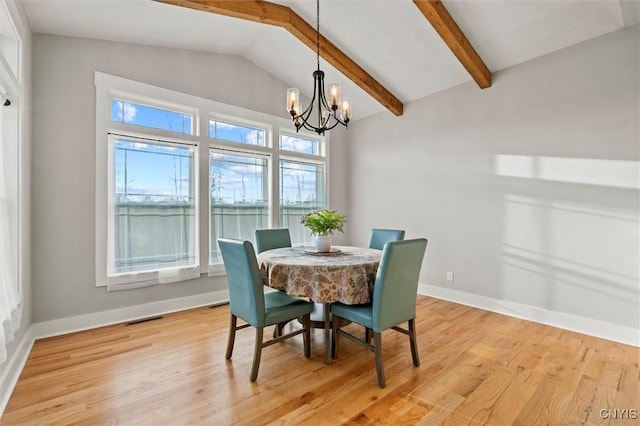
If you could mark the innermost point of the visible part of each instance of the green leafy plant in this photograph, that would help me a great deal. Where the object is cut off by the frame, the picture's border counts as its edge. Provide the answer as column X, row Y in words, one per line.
column 323, row 222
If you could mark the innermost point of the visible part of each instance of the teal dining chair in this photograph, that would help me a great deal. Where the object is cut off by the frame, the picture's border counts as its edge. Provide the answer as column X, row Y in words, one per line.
column 379, row 237
column 258, row 309
column 268, row 239
column 394, row 301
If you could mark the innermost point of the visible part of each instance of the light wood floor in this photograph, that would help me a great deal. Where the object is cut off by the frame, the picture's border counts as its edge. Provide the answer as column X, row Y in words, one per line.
column 477, row 368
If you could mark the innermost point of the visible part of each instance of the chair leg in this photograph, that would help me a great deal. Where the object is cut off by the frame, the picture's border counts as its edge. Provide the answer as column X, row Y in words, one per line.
column 232, row 336
column 367, row 334
column 279, row 328
column 257, row 353
column 377, row 341
column 412, row 341
column 327, row 332
column 306, row 336
column 335, row 337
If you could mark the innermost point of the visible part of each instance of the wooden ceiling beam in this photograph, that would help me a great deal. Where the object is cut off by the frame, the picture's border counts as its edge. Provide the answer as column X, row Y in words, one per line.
column 282, row 16
column 452, row 35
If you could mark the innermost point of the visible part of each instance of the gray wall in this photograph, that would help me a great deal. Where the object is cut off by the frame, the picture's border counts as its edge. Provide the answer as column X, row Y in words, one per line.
column 528, row 190
column 64, row 156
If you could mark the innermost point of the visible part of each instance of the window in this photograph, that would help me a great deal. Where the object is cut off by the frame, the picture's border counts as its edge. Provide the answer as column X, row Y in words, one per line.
column 147, row 116
column 239, row 196
column 297, row 144
column 301, row 190
column 175, row 172
column 154, row 206
column 236, row 133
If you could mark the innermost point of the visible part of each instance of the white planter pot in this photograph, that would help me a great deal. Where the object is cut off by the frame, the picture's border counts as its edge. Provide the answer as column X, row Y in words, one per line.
column 322, row 243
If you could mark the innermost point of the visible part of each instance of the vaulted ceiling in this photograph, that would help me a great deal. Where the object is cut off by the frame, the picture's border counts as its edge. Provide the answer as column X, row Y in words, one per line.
column 390, row 40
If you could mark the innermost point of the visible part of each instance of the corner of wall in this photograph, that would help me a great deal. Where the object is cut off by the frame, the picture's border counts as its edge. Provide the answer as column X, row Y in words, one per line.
column 13, row 368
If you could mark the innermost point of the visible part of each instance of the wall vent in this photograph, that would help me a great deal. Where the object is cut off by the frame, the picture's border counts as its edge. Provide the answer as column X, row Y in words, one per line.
column 138, row 321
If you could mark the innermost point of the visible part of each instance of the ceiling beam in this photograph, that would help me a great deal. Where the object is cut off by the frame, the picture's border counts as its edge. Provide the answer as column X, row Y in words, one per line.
column 282, row 16
column 443, row 23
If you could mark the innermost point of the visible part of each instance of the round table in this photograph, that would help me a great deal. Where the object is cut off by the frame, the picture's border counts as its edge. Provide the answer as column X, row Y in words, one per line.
column 346, row 276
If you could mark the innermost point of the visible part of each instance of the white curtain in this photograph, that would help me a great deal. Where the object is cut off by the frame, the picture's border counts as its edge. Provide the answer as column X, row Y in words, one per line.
column 10, row 298
column 145, row 279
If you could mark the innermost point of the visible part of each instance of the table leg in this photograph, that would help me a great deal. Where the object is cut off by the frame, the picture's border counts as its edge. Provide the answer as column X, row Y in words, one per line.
column 327, row 333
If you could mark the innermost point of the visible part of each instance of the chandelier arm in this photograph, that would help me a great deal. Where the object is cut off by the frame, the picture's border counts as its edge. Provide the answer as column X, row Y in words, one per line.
column 307, row 125
column 344, row 123
column 310, row 127
column 319, row 112
column 304, row 115
column 305, row 122
column 320, row 130
column 334, row 124
column 337, row 121
column 323, row 99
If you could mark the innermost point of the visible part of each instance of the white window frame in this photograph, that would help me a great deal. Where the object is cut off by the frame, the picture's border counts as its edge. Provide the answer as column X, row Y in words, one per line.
column 12, row 122
column 110, row 86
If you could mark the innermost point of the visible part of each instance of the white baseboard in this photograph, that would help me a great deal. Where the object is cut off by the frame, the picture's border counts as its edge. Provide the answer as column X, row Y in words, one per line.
column 130, row 313
column 604, row 330
column 13, row 369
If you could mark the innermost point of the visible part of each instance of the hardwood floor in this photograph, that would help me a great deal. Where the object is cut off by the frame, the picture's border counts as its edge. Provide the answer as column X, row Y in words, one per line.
column 477, row 368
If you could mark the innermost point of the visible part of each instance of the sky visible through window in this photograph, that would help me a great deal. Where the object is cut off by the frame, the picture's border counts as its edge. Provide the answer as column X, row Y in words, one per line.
column 150, row 172
column 156, row 172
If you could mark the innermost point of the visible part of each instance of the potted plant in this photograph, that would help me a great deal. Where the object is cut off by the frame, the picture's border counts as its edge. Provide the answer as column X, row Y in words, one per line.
column 323, row 223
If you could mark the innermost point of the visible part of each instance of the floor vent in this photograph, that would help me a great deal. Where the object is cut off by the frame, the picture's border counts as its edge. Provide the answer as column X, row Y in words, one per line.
column 144, row 320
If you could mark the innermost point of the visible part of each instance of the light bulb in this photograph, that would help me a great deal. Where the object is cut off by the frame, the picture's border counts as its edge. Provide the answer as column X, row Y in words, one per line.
column 334, row 95
column 293, row 98
column 345, row 109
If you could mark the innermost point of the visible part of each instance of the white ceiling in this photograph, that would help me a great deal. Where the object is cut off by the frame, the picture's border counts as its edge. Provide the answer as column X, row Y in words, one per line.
column 390, row 39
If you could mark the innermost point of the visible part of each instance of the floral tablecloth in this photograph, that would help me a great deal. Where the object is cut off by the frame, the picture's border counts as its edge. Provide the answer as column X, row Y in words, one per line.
column 347, row 276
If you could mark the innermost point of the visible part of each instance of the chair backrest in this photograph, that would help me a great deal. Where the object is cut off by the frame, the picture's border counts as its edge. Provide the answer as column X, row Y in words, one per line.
column 396, row 286
column 379, row 237
column 246, row 293
column 267, row 239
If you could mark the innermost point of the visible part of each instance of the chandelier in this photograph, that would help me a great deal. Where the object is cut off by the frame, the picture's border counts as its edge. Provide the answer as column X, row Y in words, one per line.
column 329, row 113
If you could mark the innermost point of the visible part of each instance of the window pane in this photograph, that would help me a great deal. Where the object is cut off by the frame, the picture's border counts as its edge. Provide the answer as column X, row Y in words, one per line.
column 301, row 190
column 154, row 206
column 239, row 200
column 294, row 143
column 235, row 133
column 141, row 115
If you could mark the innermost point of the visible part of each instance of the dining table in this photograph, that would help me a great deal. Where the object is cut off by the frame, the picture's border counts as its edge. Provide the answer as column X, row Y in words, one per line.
column 345, row 274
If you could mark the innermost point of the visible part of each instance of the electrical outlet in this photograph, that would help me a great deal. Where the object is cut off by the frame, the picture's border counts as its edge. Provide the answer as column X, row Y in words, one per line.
column 450, row 276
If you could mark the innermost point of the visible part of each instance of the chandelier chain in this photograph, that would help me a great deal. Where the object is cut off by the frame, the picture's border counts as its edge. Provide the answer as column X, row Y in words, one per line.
column 318, row 33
